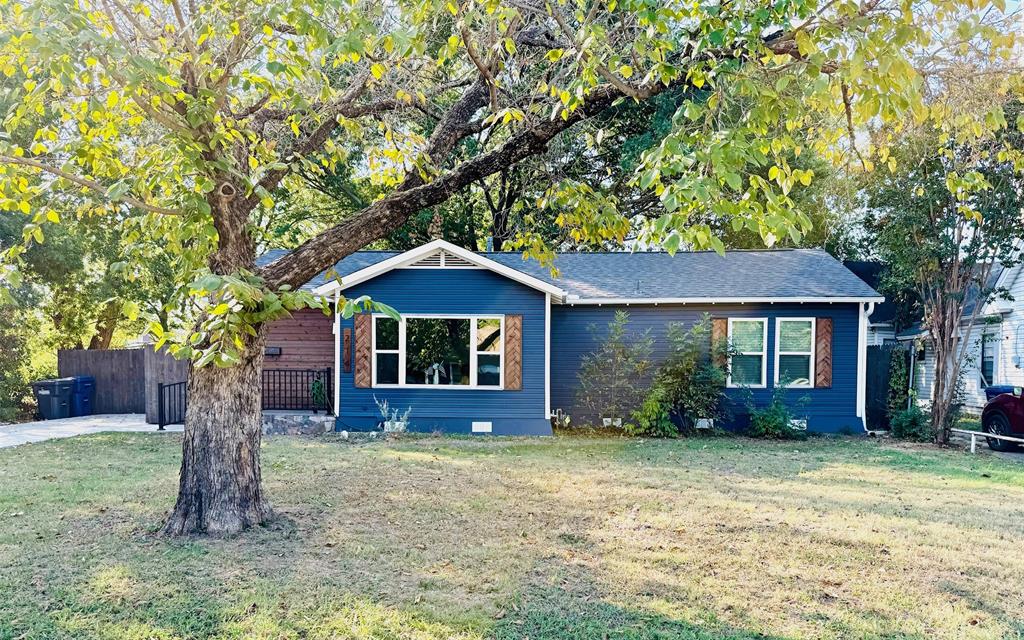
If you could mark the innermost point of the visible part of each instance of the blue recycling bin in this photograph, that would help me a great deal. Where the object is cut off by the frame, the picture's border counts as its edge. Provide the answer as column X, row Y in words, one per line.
column 997, row 390
column 83, row 395
column 54, row 397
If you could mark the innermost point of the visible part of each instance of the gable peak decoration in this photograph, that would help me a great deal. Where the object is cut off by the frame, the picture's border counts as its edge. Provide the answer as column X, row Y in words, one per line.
column 442, row 260
column 445, row 255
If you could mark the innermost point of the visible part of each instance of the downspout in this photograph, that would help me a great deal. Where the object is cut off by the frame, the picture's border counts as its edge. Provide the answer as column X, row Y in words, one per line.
column 862, row 360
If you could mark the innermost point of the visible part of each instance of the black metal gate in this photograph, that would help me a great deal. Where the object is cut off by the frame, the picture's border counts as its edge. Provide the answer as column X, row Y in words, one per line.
column 171, row 402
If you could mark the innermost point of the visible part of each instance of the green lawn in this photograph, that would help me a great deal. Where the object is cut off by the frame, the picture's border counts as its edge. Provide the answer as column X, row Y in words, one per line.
column 436, row 538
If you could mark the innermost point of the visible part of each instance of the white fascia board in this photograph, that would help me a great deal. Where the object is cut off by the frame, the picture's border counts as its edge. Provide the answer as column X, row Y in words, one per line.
column 413, row 255
column 722, row 300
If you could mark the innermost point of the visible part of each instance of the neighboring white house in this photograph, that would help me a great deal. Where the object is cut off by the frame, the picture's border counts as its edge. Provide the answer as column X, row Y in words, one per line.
column 995, row 346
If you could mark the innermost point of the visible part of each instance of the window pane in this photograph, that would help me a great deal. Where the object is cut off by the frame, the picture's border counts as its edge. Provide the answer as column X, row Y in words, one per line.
column 988, row 361
column 387, row 333
column 488, row 335
column 488, row 373
column 748, row 335
column 387, row 368
column 795, row 335
column 746, row 370
column 437, row 351
column 795, row 370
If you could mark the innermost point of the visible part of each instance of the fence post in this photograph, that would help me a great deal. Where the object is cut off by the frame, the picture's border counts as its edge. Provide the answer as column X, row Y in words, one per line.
column 160, row 406
column 974, row 443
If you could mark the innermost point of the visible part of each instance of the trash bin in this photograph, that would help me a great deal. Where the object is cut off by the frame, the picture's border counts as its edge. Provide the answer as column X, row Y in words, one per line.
column 998, row 389
column 83, row 395
column 54, row 397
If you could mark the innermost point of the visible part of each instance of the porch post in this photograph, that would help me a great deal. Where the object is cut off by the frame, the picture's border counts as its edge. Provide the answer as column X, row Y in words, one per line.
column 337, row 357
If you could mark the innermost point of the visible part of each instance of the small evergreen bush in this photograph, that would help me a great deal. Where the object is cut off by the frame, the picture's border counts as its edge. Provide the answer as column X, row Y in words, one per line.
column 653, row 418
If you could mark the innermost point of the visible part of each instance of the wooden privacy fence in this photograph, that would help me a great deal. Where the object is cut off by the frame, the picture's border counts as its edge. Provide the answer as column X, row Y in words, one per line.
column 126, row 379
column 120, row 376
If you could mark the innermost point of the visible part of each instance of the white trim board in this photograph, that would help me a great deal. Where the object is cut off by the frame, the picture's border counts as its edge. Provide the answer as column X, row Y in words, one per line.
column 403, row 260
column 721, row 300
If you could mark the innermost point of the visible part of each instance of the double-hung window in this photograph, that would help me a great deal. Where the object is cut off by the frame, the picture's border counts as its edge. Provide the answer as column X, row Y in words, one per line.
column 794, row 352
column 748, row 338
column 987, row 367
column 438, row 351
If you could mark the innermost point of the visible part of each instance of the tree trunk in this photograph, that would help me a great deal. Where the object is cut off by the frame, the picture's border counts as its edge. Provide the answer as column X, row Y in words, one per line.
column 220, row 491
column 105, row 326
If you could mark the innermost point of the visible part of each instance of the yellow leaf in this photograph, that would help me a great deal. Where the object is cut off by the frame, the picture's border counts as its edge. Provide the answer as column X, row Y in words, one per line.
column 52, row 216
column 112, row 100
column 377, row 70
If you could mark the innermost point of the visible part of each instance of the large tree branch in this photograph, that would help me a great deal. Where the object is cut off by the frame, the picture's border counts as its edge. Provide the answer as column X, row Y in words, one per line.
column 387, row 214
column 87, row 183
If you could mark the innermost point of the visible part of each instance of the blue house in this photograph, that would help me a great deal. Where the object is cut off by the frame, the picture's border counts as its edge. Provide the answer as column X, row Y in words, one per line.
column 491, row 343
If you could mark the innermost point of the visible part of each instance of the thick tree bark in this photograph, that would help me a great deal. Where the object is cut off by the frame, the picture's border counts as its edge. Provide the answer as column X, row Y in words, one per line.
column 220, row 490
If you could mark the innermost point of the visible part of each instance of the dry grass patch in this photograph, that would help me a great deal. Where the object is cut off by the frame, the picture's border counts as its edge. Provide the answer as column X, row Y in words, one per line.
column 430, row 538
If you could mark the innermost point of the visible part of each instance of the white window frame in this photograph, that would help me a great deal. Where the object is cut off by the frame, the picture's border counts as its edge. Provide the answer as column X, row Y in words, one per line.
column 991, row 340
column 811, row 354
column 763, row 353
column 473, row 352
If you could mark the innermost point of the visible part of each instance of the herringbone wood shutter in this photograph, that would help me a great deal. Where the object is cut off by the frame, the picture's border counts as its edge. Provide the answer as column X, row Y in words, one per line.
column 719, row 333
column 514, row 352
column 823, row 353
column 364, row 347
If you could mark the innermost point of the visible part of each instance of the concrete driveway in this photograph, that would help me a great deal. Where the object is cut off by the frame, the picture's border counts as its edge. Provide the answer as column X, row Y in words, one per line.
column 12, row 435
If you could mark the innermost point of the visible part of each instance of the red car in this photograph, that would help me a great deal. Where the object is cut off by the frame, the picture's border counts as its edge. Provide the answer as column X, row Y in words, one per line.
column 1003, row 415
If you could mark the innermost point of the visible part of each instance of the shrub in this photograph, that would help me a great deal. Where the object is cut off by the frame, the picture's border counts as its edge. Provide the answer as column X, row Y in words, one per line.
column 692, row 377
column 899, row 380
column 775, row 421
column 911, row 424
column 653, row 418
column 613, row 378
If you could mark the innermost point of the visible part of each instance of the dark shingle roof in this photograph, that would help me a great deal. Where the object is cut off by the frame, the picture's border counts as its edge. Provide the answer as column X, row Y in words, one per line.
column 792, row 273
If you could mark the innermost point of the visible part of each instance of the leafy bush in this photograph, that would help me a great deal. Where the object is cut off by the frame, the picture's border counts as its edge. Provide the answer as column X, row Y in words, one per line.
column 775, row 421
column 613, row 378
column 653, row 418
column 693, row 374
column 899, row 381
column 911, row 424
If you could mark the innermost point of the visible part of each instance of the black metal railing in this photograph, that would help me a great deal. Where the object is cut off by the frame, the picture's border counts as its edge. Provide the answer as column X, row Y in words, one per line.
column 282, row 390
column 171, row 402
column 297, row 389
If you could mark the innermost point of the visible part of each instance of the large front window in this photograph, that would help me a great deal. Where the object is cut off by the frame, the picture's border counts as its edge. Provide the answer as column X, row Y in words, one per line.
column 794, row 349
column 747, row 337
column 440, row 351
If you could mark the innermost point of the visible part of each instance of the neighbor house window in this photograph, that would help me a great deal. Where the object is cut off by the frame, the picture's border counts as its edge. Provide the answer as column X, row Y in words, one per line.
column 438, row 351
column 988, row 360
column 794, row 352
column 747, row 337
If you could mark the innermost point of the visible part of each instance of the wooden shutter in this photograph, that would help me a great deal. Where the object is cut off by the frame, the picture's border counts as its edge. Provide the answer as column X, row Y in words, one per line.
column 719, row 333
column 513, row 353
column 364, row 347
column 823, row 352
column 346, row 350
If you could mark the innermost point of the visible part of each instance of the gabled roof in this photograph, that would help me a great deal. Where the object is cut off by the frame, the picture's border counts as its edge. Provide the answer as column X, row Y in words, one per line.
column 794, row 275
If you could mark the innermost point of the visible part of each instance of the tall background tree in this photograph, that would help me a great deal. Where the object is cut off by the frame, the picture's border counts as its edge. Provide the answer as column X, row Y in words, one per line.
column 180, row 121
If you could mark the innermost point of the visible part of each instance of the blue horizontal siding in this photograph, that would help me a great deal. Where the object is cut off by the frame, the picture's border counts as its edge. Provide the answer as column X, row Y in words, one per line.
column 456, row 291
column 832, row 409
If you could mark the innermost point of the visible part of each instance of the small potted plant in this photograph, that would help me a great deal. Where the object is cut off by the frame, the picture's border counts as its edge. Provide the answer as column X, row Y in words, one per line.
column 392, row 420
